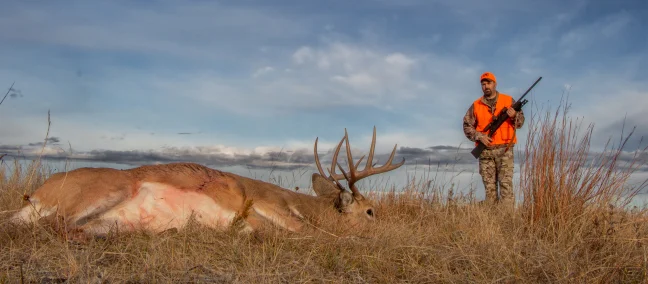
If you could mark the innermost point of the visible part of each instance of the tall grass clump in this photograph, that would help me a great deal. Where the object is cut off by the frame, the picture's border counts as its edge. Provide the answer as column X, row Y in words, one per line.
column 564, row 182
column 17, row 180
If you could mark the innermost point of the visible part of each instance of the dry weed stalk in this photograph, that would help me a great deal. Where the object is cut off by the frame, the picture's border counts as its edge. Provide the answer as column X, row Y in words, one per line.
column 3, row 99
column 563, row 181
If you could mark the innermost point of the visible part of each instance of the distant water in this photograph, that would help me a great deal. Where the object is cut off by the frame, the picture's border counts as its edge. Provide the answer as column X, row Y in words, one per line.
column 461, row 180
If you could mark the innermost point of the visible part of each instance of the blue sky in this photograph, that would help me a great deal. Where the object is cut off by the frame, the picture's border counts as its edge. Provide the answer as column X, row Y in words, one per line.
column 243, row 78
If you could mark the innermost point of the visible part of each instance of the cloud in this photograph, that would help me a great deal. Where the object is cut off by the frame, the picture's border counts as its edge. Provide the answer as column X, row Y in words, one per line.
column 15, row 93
column 304, row 54
column 371, row 74
column 630, row 127
column 458, row 159
column 605, row 29
column 613, row 105
column 191, row 31
column 50, row 140
column 260, row 157
column 321, row 78
column 438, row 155
column 261, row 71
column 12, row 93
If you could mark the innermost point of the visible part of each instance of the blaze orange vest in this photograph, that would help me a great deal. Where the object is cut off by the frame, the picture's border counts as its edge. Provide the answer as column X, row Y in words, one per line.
column 505, row 134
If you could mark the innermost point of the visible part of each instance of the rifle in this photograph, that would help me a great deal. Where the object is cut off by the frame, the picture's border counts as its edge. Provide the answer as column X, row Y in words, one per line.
column 501, row 117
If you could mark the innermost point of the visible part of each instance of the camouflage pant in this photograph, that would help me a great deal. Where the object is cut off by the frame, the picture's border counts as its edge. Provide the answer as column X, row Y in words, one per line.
column 496, row 166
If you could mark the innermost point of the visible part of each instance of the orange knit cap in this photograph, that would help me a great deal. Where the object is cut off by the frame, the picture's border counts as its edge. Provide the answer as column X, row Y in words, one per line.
column 487, row 76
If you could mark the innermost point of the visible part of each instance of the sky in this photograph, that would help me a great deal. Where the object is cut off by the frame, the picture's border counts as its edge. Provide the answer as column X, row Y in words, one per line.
column 254, row 83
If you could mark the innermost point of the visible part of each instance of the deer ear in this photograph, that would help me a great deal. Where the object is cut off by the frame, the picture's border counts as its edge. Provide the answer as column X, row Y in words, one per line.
column 323, row 186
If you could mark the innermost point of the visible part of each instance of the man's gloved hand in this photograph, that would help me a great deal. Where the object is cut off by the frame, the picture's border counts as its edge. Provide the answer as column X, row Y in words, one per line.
column 511, row 112
column 485, row 140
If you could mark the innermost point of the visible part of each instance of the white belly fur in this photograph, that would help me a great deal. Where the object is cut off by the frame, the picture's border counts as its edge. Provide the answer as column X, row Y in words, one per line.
column 157, row 207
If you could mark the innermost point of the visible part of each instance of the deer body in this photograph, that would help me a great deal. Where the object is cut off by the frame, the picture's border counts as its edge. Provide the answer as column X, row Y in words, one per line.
column 160, row 197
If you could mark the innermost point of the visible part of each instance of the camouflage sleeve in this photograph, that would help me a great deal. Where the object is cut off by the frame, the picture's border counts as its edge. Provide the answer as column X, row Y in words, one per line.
column 469, row 123
column 519, row 118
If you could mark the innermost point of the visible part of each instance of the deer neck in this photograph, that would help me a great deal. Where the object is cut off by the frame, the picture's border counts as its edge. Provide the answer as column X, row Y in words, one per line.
column 312, row 207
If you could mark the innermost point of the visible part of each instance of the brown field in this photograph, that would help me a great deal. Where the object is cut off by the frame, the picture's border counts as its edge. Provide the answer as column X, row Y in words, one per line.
column 565, row 230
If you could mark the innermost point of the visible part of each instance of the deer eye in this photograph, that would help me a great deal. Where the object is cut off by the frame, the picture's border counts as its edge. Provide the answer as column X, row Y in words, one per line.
column 370, row 212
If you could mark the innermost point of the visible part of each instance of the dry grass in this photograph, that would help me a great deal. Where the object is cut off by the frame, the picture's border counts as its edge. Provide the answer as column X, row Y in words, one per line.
column 564, row 232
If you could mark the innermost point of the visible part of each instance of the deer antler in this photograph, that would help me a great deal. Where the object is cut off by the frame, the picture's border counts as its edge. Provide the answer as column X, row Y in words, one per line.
column 332, row 175
column 355, row 175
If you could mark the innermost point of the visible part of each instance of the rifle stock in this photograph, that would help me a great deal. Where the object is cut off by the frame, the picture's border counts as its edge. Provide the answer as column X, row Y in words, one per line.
column 501, row 118
column 478, row 150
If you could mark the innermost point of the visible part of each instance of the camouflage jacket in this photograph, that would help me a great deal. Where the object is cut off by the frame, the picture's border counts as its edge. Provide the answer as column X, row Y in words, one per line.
column 470, row 121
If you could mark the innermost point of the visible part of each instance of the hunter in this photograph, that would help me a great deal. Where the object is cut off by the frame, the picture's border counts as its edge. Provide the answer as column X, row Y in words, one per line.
column 496, row 161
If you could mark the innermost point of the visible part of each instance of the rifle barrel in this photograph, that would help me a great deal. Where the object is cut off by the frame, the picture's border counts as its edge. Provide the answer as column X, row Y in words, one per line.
column 529, row 89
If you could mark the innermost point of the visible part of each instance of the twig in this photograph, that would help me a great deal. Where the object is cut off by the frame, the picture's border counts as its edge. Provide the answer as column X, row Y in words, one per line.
column 9, row 211
column 322, row 230
column 22, row 277
column 8, row 91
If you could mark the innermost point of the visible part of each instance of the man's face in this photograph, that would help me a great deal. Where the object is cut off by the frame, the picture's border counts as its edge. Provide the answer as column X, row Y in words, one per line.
column 488, row 87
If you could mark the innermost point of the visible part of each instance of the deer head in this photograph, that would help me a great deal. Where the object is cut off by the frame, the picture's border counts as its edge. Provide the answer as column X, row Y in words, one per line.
column 350, row 202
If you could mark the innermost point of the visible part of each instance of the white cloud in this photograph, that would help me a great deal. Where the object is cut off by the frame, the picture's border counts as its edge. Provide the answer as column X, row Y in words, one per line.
column 374, row 74
column 399, row 60
column 335, row 74
column 262, row 71
column 302, row 55
column 359, row 81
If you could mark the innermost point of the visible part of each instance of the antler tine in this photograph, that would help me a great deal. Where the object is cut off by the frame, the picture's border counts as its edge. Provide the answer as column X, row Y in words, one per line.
column 317, row 161
column 371, row 149
column 359, row 161
column 343, row 172
column 388, row 166
column 334, row 160
column 332, row 176
column 336, row 181
column 352, row 170
column 369, row 168
column 352, row 187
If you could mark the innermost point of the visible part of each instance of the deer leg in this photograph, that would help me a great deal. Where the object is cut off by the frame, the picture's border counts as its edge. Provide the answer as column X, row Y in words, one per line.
column 32, row 212
column 280, row 217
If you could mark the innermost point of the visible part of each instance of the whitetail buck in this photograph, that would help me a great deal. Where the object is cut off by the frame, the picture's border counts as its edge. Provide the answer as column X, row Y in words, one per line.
column 160, row 197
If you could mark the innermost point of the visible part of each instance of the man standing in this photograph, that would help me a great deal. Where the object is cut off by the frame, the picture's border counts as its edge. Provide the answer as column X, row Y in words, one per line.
column 496, row 161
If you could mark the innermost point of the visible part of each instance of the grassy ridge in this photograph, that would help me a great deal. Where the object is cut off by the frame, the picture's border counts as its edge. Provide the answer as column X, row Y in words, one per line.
column 564, row 231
